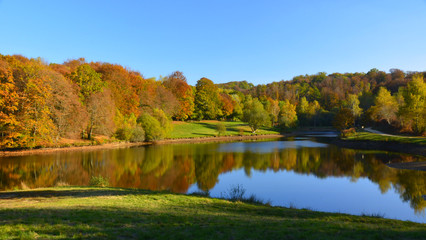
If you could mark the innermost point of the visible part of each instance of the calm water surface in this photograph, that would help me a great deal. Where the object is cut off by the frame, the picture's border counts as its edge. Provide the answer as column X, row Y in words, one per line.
column 300, row 172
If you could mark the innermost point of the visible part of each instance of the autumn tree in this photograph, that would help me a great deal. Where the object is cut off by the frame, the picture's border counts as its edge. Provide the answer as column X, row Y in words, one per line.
column 385, row 106
column 352, row 104
column 288, row 115
column 100, row 108
column 38, row 128
column 343, row 119
column 88, row 80
column 414, row 107
column 154, row 95
column 66, row 111
column 176, row 83
column 227, row 104
column 255, row 115
column 9, row 102
column 119, row 81
column 207, row 100
column 303, row 111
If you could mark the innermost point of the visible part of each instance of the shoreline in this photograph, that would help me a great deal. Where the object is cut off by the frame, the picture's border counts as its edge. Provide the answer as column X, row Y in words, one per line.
column 25, row 152
column 408, row 148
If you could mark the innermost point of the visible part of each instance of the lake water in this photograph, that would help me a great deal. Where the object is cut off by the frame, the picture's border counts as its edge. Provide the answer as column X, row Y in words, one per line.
column 301, row 172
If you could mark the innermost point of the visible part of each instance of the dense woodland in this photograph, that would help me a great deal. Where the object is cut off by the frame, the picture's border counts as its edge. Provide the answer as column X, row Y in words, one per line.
column 42, row 104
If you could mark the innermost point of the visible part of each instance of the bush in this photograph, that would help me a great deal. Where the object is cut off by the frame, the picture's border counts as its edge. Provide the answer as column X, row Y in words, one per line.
column 152, row 127
column 98, row 181
column 165, row 122
column 236, row 193
column 124, row 133
column 240, row 131
column 221, row 128
column 138, row 134
column 348, row 132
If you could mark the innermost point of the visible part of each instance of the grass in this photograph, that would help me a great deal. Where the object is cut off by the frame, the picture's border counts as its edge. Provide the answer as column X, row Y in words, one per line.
column 366, row 136
column 114, row 213
column 208, row 128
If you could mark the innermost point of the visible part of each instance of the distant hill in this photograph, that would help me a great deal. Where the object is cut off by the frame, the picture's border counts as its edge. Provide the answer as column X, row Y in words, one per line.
column 241, row 86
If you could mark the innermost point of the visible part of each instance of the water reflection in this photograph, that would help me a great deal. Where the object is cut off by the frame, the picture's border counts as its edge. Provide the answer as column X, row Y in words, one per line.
column 177, row 167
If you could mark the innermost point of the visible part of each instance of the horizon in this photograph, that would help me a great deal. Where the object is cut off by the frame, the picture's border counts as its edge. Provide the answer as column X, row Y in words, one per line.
column 224, row 41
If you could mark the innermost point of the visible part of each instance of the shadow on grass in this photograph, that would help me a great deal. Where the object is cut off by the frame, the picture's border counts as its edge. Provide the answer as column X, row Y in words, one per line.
column 206, row 221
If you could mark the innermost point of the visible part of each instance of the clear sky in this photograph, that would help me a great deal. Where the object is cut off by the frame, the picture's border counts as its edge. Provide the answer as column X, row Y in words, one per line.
column 224, row 40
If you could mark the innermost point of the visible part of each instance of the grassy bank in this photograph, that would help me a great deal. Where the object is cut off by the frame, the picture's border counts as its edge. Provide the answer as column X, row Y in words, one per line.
column 367, row 136
column 208, row 128
column 113, row 213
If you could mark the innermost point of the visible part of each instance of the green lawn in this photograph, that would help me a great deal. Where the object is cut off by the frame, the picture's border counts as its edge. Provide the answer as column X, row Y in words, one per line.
column 114, row 213
column 366, row 136
column 208, row 129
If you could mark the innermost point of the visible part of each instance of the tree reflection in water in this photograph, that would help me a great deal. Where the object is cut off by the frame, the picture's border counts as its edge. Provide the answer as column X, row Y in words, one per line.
column 177, row 167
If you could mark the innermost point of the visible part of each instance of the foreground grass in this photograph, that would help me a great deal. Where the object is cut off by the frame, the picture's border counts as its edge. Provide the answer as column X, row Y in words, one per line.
column 112, row 213
column 367, row 136
column 209, row 129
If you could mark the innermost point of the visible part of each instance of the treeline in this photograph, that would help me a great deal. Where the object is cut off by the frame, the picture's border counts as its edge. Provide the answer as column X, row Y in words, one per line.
column 41, row 103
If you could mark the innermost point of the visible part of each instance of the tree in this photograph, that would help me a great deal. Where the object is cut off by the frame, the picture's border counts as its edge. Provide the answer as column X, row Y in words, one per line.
column 353, row 105
column 343, row 119
column 227, row 104
column 303, row 111
column 288, row 115
column 154, row 95
column 414, row 107
column 176, row 83
column 38, row 128
column 273, row 110
column 66, row 111
column 9, row 102
column 119, row 81
column 385, row 106
column 207, row 101
column 101, row 109
column 255, row 115
column 88, row 80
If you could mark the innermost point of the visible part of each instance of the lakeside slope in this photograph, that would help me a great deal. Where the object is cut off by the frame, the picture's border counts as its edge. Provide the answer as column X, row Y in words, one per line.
column 111, row 213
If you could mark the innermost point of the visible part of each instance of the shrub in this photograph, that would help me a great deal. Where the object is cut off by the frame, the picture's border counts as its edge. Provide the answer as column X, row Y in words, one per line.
column 138, row 134
column 152, row 127
column 240, row 131
column 221, row 128
column 124, row 133
column 236, row 193
column 98, row 181
column 348, row 132
column 165, row 122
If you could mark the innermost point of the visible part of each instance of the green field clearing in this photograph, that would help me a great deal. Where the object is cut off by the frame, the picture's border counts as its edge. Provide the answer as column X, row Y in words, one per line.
column 208, row 128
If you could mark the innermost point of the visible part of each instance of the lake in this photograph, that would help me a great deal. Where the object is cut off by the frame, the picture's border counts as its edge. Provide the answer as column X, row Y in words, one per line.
column 301, row 172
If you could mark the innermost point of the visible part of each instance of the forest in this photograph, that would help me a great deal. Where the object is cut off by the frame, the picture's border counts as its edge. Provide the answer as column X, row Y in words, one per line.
column 45, row 104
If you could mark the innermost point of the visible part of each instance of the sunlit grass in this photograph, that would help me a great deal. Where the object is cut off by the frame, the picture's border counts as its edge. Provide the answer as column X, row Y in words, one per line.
column 113, row 213
column 366, row 136
column 209, row 129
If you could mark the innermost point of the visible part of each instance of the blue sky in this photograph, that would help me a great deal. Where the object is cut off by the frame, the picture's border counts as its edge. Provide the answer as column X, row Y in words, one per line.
column 258, row 41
